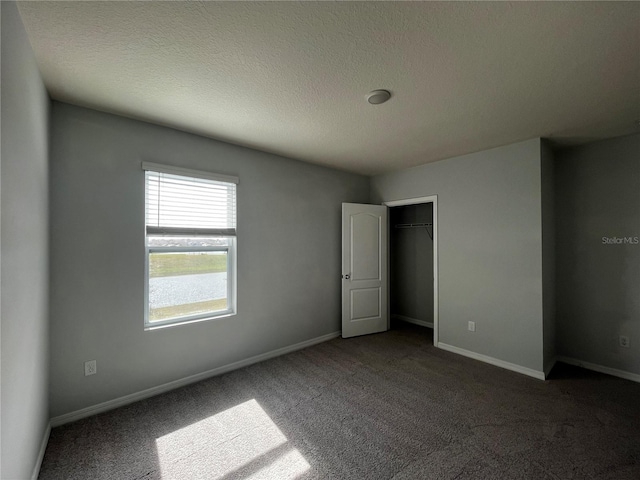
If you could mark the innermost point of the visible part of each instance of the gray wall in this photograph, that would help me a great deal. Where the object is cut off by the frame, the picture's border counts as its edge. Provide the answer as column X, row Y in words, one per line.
column 598, row 285
column 24, row 251
column 548, row 255
column 411, row 263
column 490, row 247
column 288, row 256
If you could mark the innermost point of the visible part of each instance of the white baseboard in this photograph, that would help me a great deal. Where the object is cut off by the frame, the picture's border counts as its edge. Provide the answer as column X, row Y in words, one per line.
column 415, row 321
column 493, row 361
column 634, row 377
column 150, row 392
column 43, row 448
column 549, row 367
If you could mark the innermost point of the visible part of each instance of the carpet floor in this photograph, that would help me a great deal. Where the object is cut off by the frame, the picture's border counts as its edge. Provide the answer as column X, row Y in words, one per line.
column 385, row 406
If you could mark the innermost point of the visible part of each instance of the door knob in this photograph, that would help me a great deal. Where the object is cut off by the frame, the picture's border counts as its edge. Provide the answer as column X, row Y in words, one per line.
column 347, row 276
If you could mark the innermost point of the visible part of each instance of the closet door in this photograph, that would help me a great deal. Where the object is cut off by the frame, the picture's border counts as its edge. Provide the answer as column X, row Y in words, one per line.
column 364, row 269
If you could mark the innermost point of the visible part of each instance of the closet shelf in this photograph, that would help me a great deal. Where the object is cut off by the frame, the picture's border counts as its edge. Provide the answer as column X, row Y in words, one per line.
column 417, row 225
column 413, row 225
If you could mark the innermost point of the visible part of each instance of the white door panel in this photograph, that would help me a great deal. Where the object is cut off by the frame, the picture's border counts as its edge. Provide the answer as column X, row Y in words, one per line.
column 364, row 269
column 365, row 257
column 365, row 303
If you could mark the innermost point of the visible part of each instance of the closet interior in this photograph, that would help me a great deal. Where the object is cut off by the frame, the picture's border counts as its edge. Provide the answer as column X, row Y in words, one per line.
column 411, row 263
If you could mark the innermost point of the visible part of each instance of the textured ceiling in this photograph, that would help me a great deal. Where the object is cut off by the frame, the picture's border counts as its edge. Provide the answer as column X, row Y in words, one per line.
column 291, row 78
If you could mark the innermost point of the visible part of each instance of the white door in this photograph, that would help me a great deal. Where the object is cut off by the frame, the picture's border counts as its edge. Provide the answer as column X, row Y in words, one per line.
column 364, row 269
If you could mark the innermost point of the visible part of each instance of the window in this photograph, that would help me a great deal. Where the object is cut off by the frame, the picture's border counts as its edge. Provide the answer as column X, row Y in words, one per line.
column 190, row 245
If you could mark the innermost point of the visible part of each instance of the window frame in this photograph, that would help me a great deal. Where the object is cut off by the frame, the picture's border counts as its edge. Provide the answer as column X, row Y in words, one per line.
column 230, row 249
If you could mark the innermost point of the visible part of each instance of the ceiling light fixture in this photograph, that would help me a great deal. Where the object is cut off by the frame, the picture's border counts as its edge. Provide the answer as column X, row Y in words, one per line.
column 377, row 97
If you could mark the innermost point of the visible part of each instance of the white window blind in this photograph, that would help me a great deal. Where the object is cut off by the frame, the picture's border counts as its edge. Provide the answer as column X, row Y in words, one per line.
column 189, row 205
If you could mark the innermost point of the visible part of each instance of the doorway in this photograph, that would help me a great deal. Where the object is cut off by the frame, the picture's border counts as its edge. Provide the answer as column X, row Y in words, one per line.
column 413, row 262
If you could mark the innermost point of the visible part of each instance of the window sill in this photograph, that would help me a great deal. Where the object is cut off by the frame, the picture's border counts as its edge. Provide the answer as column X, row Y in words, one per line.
column 151, row 327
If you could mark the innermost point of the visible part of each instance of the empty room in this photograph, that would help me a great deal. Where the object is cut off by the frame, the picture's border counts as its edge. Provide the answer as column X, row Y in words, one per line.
column 320, row 240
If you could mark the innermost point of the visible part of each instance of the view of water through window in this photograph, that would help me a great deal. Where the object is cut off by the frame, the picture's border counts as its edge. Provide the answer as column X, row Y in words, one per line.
column 187, row 283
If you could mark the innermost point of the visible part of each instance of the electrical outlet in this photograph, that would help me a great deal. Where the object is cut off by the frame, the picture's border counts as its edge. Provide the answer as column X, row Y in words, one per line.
column 472, row 326
column 624, row 341
column 90, row 368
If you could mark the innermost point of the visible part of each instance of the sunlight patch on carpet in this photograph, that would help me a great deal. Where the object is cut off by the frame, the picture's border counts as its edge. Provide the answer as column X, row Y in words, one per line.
column 241, row 441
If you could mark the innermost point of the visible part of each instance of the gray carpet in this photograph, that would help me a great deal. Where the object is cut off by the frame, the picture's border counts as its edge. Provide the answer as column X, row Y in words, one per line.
column 386, row 406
